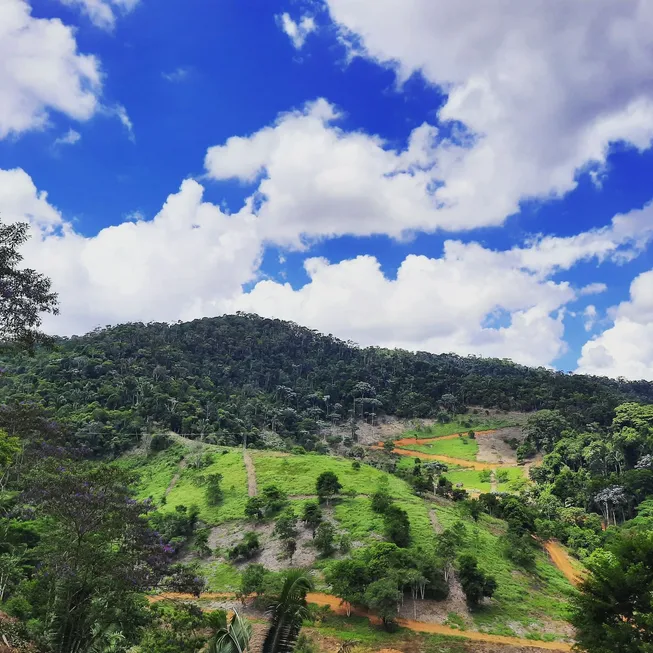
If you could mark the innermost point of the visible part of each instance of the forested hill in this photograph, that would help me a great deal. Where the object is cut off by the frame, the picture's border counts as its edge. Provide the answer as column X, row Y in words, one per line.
column 227, row 377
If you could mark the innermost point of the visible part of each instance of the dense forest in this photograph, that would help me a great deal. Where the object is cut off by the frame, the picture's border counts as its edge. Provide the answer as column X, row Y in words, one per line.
column 242, row 376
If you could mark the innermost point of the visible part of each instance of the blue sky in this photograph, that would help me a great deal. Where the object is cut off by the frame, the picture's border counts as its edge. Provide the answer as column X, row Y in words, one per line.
column 403, row 174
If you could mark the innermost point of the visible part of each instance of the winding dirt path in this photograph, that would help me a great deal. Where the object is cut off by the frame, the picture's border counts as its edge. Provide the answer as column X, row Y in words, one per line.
column 417, row 626
column 408, row 441
column 252, row 489
column 470, row 464
column 562, row 561
column 401, row 449
column 175, row 478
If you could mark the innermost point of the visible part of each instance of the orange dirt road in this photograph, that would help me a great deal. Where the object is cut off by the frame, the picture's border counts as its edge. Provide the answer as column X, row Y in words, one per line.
column 562, row 561
column 407, row 442
column 417, row 626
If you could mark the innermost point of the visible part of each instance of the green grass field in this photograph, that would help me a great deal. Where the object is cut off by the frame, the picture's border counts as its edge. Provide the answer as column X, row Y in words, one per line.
column 516, row 477
column 470, row 479
column 189, row 489
column 155, row 471
column 463, row 447
column 530, row 598
column 298, row 474
column 464, row 425
column 363, row 525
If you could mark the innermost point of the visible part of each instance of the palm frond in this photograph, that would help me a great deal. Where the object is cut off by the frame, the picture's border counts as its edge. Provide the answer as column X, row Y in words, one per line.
column 287, row 611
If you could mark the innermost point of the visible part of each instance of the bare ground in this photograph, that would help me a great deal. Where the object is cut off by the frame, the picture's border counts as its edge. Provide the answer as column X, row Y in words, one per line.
column 493, row 448
column 272, row 554
column 252, row 490
column 388, row 428
column 175, row 478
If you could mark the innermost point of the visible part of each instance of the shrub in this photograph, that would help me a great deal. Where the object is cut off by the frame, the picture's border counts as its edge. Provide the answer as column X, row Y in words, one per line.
column 475, row 583
column 214, row 493
column 324, row 538
column 246, row 549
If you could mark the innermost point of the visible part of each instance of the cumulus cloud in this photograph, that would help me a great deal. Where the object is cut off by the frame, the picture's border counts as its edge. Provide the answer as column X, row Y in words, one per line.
column 593, row 289
column 541, row 89
column 102, row 13
column 193, row 259
column 182, row 264
column 452, row 303
column 69, row 138
column 297, row 31
column 352, row 183
column 626, row 348
column 42, row 71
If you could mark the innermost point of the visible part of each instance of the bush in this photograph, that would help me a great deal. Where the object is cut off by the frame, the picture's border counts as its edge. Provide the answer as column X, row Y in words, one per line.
column 253, row 580
column 397, row 526
column 475, row 583
column 344, row 544
column 312, row 516
column 485, row 476
column 255, row 508
column 214, row 493
column 356, row 465
column 324, row 539
column 519, row 549
column 246, row 549
column 159, row 442
column 381, row 501
column 286, row 525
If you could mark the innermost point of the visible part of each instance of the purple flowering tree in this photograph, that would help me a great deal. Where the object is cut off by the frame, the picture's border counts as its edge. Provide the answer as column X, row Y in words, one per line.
column 97, row 553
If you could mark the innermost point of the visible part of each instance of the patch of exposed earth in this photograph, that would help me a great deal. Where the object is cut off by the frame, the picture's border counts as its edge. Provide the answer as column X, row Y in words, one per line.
column 272, row 553
column 494, row 448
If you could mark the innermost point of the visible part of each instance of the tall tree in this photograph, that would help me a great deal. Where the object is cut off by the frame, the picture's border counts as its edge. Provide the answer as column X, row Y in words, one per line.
column 613, row 610
column 24, row 293
column 97, row 553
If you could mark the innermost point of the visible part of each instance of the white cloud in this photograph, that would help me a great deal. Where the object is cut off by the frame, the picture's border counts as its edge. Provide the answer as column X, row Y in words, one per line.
column 69, row 138
column 192, row 259
column 593, row 289
column 102, row 13
column 453, row 303
column 297, row 31
column 182, row 264
column 543, row 88
column 315, row 180
column 42, row 71
column 179, row 74
column 118, row 111
column 591, row 315
column 626, row 348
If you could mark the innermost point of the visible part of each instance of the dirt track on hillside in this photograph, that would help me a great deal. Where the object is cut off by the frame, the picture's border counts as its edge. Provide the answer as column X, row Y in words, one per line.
column 562, row 561
column 404, row 443
column 252, row 489
column 417, row 626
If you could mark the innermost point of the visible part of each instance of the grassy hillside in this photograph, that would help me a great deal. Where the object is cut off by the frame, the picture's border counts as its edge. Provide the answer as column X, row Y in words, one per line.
column 527, row 603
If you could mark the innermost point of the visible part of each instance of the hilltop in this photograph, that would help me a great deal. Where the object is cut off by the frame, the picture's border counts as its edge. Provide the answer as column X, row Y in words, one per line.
column 238, row 377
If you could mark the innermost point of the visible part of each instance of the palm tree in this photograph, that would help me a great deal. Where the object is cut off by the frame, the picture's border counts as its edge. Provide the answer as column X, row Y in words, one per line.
column 230, row 636
column 287, row 611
